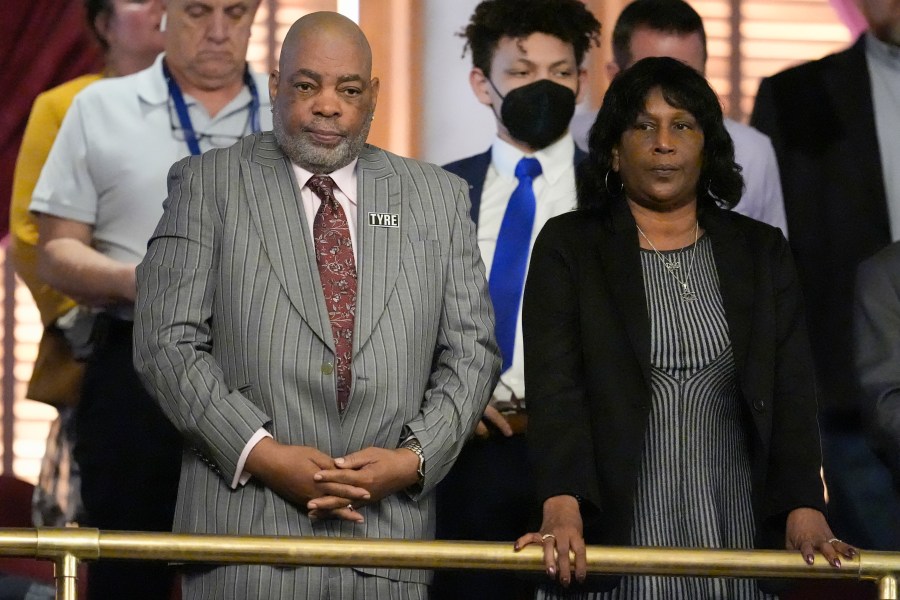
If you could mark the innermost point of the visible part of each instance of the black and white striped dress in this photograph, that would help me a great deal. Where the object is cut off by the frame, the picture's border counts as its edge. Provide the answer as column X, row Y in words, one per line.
column 694, row 486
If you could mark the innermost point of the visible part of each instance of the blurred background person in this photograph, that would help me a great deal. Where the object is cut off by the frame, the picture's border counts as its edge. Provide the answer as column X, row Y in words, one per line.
column 671, row 387
column 527, row 59
column 876, row 344
column 129, row 34
column 673, row 28
column 834, row 123
column 98, row 200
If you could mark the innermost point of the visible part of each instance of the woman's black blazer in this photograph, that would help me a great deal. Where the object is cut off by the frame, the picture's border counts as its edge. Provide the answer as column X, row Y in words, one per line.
column 587, row 366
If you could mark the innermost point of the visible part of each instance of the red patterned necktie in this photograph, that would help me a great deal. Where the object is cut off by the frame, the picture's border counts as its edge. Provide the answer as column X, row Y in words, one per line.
column 337, row 270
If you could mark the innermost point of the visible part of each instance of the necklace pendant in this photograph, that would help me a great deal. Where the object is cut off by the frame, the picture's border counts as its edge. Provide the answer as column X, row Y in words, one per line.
column 672, row 265
column 688, row 295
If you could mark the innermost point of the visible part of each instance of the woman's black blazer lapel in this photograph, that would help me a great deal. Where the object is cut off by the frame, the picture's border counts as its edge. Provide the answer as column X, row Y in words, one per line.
column 619, row 252
column 621, row 260
column 734, row 265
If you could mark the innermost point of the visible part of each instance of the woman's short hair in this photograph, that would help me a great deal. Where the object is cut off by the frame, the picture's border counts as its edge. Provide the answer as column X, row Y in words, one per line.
column 683, row 88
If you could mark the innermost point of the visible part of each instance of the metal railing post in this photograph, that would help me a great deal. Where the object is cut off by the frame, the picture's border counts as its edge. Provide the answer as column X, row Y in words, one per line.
column 65, row 570
column 887, row 588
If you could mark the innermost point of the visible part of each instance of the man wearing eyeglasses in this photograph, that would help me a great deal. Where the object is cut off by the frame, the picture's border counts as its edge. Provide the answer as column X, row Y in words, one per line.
column 98, row 200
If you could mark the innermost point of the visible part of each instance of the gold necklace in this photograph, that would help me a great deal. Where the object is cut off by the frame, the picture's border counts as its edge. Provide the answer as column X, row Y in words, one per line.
column 673, row 265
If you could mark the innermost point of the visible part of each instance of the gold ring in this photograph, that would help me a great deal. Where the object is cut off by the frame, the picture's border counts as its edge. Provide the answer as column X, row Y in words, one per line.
column 833, row 540
column 547, row 536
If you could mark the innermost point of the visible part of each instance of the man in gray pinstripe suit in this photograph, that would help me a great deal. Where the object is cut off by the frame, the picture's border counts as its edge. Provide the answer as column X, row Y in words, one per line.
column 235, row 337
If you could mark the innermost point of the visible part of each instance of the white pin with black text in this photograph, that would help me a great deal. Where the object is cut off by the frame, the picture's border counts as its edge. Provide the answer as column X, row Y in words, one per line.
column 384, row 220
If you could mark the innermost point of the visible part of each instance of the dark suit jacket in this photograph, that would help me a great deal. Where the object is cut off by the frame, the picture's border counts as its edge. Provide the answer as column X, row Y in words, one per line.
column 876, row 326
column 587, row 366
column 474, row 170
column 821, row 121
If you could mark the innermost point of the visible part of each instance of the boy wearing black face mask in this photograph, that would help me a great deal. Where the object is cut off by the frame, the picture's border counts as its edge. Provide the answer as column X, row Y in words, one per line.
column 527, row 57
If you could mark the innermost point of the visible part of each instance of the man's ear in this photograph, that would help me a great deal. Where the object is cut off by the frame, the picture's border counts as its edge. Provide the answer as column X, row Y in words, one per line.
column 101, row 25
column 612, row 69
column 274, row 76
column 480, row 86
column 374, row 85
column 582, row 84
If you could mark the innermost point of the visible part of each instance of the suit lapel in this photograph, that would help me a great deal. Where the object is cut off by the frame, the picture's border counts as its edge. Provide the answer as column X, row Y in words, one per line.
column 620, row 257
column 378, row 255
column 734, row 266
column 855, row 114
column 475, row 176
column 274, row 200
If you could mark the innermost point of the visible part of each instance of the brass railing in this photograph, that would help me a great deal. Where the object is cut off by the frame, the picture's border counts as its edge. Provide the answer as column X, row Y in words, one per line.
column 66, row 547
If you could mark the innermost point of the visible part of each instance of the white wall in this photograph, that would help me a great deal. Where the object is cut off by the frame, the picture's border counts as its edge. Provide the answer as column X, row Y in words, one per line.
column 454, row 123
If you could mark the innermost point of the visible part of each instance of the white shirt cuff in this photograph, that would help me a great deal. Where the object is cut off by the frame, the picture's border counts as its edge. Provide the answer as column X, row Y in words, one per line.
column 240, row 477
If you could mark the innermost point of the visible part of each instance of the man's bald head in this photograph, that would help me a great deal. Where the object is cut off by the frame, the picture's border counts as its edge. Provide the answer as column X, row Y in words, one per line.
column 331, row 25
column 323, row 94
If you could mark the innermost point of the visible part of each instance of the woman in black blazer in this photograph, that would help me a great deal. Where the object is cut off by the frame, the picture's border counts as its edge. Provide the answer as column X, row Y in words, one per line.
column 671, row 392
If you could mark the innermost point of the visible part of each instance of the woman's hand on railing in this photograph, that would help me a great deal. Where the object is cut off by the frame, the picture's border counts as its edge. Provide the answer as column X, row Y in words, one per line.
column 562, row 531
column 808, row 531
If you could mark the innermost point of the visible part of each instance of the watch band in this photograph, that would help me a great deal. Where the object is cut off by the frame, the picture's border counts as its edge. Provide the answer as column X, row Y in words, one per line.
column 414, row 445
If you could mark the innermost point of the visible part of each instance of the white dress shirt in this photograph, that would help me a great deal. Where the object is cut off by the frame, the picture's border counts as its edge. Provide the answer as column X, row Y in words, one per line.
column 554, row 192
column 883, row 61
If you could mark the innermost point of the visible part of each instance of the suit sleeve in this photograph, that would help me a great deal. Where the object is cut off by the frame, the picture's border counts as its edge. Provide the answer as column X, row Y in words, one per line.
column 876, row 328
column 467, row 359
column 559, row 425
column 176, row 286
column 772, row 197
column 765, row 112
column 795, row 454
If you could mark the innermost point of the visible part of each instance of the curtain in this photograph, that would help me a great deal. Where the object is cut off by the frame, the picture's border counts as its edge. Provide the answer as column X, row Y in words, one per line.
column 43, row 43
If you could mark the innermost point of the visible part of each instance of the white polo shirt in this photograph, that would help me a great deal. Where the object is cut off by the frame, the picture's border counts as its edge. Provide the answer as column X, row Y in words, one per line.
column 109, row 163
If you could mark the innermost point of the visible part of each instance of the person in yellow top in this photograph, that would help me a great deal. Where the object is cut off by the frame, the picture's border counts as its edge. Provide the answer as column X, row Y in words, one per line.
column 129, row 31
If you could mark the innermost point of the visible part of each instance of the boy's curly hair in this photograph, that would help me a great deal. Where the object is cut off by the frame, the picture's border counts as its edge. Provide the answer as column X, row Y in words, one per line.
column 568, row 20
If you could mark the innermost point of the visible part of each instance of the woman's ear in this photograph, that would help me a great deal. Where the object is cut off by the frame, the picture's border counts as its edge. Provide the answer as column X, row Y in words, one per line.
column 615, row 159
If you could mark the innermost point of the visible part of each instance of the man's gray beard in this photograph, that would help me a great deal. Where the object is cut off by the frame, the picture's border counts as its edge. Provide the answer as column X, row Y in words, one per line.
column 316, row 159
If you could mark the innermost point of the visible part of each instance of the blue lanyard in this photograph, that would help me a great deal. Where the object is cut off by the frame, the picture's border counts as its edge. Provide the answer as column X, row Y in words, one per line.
column 190, row 136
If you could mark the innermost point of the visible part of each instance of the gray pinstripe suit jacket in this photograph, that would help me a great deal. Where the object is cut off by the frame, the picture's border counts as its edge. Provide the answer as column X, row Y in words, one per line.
column 232, row 333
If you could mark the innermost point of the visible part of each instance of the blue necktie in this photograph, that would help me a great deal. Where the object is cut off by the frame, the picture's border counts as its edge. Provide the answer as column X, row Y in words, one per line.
column 511, row 258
